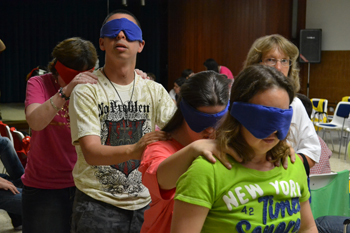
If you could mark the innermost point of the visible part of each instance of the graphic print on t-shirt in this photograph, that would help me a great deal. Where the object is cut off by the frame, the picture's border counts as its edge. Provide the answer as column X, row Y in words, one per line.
column 283, row 212
column 124, row 125
column 124, row 133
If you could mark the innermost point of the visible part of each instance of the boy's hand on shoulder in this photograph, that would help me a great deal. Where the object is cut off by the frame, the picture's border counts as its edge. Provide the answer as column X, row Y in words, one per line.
column 147, row 139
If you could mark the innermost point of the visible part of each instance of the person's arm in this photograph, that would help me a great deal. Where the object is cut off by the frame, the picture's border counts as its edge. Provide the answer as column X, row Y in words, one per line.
column 97, row 154
column 307, row 142
column 39, row 116
column 307, row 220
column 7, row 185
column 188, row 217
column 310, row 162
column 175, row 165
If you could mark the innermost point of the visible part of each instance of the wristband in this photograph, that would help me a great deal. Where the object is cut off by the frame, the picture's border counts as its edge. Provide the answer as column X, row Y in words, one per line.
column 62, row 95
column 53, row 105
column 306, row 164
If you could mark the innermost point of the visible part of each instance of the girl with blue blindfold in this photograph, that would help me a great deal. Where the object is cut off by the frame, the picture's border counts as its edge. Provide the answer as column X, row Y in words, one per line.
column 250, row 196
column 203, row 102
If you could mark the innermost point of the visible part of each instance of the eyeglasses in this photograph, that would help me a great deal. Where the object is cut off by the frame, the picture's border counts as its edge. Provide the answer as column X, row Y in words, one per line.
column 273, row 62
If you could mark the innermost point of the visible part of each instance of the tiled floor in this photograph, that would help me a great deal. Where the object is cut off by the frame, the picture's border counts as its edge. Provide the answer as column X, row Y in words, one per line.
column 5, row 223
column 338, row 162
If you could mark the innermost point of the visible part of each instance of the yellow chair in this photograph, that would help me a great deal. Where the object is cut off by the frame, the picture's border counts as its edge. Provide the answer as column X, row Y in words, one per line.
column 319, row 113
column 346, row 99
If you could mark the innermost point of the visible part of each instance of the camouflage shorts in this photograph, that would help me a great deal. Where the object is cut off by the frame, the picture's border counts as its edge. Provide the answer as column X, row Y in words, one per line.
column 92, row 216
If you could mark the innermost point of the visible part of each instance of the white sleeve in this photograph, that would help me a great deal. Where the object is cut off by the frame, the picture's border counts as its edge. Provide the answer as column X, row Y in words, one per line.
column 172, row 94
column 304, row 137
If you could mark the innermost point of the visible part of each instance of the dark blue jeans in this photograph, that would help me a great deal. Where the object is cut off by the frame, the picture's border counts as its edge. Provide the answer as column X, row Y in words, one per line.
column 11, row 203
column 47, row 210
column 331, row 224
column 11, row 162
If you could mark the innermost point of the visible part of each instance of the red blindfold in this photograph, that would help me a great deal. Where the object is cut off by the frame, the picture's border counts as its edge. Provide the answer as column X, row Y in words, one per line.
column 67, row 74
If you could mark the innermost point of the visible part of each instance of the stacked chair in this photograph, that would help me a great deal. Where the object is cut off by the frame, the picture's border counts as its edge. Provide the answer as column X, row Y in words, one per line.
column 338, row 122
column 5, row 131
column 319, row 107
column 20, row 142
column 319, row 114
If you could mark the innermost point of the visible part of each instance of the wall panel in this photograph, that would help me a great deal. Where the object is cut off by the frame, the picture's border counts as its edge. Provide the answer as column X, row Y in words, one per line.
column 221, row 29
column 329, row 79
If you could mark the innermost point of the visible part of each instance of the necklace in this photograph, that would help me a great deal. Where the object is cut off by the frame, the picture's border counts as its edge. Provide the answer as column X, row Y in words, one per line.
column 132, row 93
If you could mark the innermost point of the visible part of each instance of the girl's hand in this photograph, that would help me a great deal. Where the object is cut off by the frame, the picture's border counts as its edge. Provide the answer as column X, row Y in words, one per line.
column 285, row 160
column 147, row 139
column 142, row 74
column 84, row 77
column 209, row 147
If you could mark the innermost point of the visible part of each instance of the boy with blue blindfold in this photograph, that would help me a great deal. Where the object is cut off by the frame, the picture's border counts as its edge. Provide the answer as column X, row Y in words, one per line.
column 250, row 196
column 111, row 123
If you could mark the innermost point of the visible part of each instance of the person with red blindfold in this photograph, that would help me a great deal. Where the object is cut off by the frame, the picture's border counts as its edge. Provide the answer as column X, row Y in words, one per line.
column 49, row 187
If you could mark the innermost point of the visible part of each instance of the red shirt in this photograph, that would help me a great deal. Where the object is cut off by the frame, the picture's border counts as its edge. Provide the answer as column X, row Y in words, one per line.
column 158, row 217
column 52, row 156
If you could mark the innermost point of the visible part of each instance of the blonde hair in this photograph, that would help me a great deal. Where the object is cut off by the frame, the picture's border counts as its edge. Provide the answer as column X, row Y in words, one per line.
column 267, row 43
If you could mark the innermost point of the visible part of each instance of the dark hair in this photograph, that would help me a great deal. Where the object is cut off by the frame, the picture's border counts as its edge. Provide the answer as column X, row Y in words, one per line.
column 206, row 88
column 251, row 81
column 306, row 102
column 180, row 81
column 121, row 11
column 211, row 64
column 185, row 73
column 75, row 53
column 152, row 76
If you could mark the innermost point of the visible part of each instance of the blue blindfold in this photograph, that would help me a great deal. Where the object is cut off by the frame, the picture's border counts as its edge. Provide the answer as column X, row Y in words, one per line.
column 199, row 121
column 112, row 28
column 262, row 121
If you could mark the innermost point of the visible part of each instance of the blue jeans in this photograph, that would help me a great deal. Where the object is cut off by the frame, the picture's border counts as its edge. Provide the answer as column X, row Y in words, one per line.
column 331, row 224
column 12, row 203
column 47, row 210
column 11, row 162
